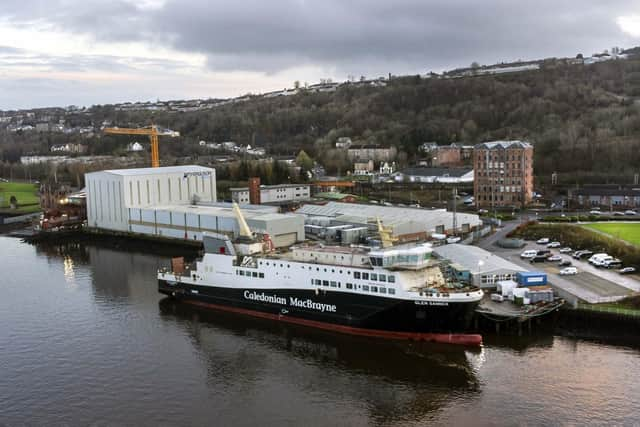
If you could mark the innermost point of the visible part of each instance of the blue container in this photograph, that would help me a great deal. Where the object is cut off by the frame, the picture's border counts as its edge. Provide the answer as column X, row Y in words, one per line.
column 531, row 278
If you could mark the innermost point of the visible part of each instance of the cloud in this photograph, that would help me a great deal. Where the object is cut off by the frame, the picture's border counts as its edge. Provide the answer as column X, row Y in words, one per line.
column 334, row 38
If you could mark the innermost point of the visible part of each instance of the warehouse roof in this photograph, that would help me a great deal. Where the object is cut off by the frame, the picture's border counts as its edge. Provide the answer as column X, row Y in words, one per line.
column 475, row 259
column 391, row 215
column 156, row 171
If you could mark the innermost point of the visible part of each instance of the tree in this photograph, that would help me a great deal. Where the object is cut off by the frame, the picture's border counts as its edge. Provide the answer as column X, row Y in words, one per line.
column 304, row 161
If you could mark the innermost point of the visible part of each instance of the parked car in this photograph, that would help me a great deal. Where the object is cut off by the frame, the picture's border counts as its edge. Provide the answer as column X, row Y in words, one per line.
column 544, row 252
column 543, row 241
column 593, row 259
column 528, row 254
column 565, row 263
column 482, row 211
column 554, row 258
column 568, row 271
column 627, row 270
column 565, row 250
column 630, row 212
column 538, row 258
column 582, row 254
column 594, row 212
column 554, row 245
column 612, row 263
column 617, row 213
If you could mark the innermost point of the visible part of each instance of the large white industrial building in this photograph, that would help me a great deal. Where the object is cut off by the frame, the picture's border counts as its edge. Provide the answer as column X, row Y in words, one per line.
column 176, row 202
column 111, row 193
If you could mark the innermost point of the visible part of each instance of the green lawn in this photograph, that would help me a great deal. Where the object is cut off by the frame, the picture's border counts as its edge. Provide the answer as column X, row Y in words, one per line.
column 27, row 195
column 629, row 232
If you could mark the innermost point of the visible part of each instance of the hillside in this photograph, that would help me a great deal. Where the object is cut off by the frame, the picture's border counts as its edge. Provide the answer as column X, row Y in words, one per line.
column 583, row 119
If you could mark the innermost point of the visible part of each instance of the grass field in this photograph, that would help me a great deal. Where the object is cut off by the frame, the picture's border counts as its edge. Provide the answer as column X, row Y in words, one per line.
column 629, row 232
column 26, row 194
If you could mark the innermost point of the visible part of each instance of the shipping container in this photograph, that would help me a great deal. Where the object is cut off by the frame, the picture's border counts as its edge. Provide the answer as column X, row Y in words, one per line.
column 531, row 278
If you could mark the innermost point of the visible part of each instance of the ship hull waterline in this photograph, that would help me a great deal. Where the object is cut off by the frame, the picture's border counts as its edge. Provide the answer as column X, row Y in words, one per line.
column 375, row 317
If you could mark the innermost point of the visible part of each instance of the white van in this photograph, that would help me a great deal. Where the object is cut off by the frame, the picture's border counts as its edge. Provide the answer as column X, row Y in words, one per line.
column 602, row 262
column 531, row 253
column 597, row 257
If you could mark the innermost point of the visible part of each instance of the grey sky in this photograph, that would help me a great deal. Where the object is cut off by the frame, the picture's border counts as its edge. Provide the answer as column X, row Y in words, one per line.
column 121, row 50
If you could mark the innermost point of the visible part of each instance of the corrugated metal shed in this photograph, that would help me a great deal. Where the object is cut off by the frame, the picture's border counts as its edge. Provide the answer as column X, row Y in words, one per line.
column 428, row 220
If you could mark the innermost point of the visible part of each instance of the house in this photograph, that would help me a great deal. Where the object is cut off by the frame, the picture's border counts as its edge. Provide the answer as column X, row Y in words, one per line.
column 135, row 146
column 343, row 142
column 610, row 196
column 363, row 168
column 387, row 169
column 69, row 148
column 376, row 153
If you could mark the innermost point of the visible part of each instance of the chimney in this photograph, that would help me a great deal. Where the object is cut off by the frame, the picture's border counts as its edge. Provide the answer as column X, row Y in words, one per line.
column 254, row 190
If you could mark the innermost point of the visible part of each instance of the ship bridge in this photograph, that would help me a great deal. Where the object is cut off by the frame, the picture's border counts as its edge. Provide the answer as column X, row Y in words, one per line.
column 405, row 258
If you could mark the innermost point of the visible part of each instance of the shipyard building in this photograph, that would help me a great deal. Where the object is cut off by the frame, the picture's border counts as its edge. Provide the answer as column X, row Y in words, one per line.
column 177, row 202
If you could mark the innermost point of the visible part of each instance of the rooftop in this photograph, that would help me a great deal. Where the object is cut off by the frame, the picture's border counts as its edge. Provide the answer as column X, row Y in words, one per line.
column 156, row 171
column 504, row 144
column 475, row 259
column 451, row 172
column 270, row 187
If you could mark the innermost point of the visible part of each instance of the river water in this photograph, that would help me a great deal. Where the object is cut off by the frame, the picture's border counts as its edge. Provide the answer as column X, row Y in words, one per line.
column 86, row 339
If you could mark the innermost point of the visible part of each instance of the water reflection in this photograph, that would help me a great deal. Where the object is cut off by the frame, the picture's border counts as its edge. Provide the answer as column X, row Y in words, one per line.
column 395, row 381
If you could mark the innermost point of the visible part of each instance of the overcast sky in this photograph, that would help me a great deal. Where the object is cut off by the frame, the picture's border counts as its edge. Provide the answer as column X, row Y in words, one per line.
column 84, row 52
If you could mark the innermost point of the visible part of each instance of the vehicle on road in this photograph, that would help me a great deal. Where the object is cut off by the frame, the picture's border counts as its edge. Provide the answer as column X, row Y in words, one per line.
column 617, row 213
column 554, row 245
column 554, row 258
column 630, row 212
column 528, row 254
column 594, row 212
column 544, row 252
column 565, row 263
column 482, row 211
column 627, row 270
column 602, row 262
column 543, row 241
column 566, row 250
column 568, row 271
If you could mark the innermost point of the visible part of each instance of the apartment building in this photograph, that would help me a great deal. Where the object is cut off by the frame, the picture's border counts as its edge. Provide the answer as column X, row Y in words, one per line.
column 503, row 174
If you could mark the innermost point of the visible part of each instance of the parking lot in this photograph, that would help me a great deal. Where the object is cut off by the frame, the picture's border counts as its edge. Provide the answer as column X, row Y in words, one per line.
column 591, row 284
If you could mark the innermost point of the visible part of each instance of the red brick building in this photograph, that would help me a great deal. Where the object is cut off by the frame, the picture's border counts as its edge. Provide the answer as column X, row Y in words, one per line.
column 503, row 174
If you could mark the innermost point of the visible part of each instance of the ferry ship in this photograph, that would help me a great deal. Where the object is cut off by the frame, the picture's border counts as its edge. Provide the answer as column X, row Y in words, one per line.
column 393, row 291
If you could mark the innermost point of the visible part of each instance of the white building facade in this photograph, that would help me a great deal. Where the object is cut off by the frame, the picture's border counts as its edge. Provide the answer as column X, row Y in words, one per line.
column 111, row 193
column 283, row 193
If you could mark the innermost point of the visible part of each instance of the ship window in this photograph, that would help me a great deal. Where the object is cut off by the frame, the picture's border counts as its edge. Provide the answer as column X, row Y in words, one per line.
column 339, row 284
column 254, row 274
column 392, row 291
column 325, row 283
column 261, row 275
column 348, row 272
column 333, row 284
column 392, row 279
column 382, row 277
column 365, row 287
column 365, row 276
column 383, row 290
column 374, row 289
column 288, row 266
column 340, row 271
column 260, row 262
column 356, row 274
column 349, row 286
column 267, row 263
column 374, row 276
column 332, row 270
column 325, row 270
column 313, row 282
column 242, row 272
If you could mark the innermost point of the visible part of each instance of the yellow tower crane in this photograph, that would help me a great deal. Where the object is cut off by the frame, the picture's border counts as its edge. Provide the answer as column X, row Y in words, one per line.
column 151, row 131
